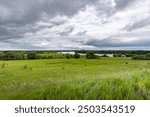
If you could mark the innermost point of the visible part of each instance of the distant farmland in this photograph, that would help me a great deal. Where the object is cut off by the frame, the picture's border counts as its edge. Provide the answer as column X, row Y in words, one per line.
column 103, row 78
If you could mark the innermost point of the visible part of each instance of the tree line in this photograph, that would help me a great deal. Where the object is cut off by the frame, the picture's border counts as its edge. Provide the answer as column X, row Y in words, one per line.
column 23, row 55
column 89, row 54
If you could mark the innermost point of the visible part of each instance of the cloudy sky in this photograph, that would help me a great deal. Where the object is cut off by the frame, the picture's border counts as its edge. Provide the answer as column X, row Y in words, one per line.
column 74, row 24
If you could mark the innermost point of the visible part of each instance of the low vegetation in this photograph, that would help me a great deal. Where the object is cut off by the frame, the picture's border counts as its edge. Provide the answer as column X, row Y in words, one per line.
column 90, row 55
column 105, row 78
column 141, row 57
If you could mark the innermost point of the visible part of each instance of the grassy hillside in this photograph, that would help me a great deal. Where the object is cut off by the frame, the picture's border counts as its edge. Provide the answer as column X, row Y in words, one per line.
column 105, row 78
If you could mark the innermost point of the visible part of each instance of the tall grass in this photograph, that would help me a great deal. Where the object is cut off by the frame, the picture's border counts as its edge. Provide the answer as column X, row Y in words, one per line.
column 99, row 79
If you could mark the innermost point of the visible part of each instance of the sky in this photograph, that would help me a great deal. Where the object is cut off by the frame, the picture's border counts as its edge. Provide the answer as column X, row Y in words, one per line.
column 74, row 24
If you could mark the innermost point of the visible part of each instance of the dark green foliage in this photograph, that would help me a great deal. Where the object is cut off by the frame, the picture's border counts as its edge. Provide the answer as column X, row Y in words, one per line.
column 127, row 62
column 76, row 55
column 31, row 55
column 104, row 55
column 90, row 55
column 11, row 56
column 141, row 57
column 128, row 55
column 21, row 55
column 68, row 56
column 117, row 55
column 117, row 52
column 147, row 55
column 1, row 55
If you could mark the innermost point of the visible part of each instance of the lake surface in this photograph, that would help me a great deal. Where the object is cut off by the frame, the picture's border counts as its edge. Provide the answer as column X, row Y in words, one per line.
column 72, row 53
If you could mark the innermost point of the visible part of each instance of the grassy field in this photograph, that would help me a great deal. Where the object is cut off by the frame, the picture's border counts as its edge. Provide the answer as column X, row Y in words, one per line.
column 105, row 78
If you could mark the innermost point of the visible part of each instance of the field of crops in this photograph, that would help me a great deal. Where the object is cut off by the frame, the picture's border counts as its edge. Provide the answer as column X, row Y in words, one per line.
column 104, row 78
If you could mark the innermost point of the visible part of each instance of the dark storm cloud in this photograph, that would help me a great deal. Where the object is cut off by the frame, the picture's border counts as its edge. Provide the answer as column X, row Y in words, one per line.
column 121, row 4
column 103, row 43
column 34, row 24
column 67, row 31
column 29, row 11
column 139, row 24
column 66, row 7
column 6, row 33
column 19, row 17
column 111, row 42
column 19, row 12
column 3, row 31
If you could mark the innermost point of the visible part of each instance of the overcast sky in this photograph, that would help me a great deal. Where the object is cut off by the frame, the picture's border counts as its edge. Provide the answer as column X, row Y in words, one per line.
column 74, row 24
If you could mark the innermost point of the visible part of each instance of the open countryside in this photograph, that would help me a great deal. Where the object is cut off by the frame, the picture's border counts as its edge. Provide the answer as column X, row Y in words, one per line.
column 54, row 76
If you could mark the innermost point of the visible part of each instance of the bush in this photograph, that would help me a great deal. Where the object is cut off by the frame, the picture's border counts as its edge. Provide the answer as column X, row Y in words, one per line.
column 90, row 55
column 117, row 55
column 31, row 55
column 104, row 55
column 76, row 55
column 129, row 55
column 68, row 56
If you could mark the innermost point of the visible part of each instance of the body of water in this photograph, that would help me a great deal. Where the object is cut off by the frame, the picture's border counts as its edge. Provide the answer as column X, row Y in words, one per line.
column 72, row 53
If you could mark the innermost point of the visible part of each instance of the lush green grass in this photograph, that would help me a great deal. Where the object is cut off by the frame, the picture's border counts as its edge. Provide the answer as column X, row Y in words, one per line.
column 105, row 78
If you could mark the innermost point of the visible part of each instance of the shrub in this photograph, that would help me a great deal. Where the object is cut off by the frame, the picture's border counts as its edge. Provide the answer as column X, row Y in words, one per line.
column 104, row 55
column 76, row 55
column 90, row 55
column 31, row 55
column 68, row 56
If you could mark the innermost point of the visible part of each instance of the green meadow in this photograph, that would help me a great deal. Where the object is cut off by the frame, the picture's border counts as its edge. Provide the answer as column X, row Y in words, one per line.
column 75, row 79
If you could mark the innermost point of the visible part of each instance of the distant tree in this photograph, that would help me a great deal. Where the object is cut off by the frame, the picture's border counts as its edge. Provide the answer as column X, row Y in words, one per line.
column 119, row 55
column 9, row 56
column 104, row 55
column 68, row 56
column 1, row 56
column 148, row 55
column 19, row 56
column 12, row 56
column 139, row 57
column 90, row 55
column 115, row 55
column 31, row 55
column 76, row 55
